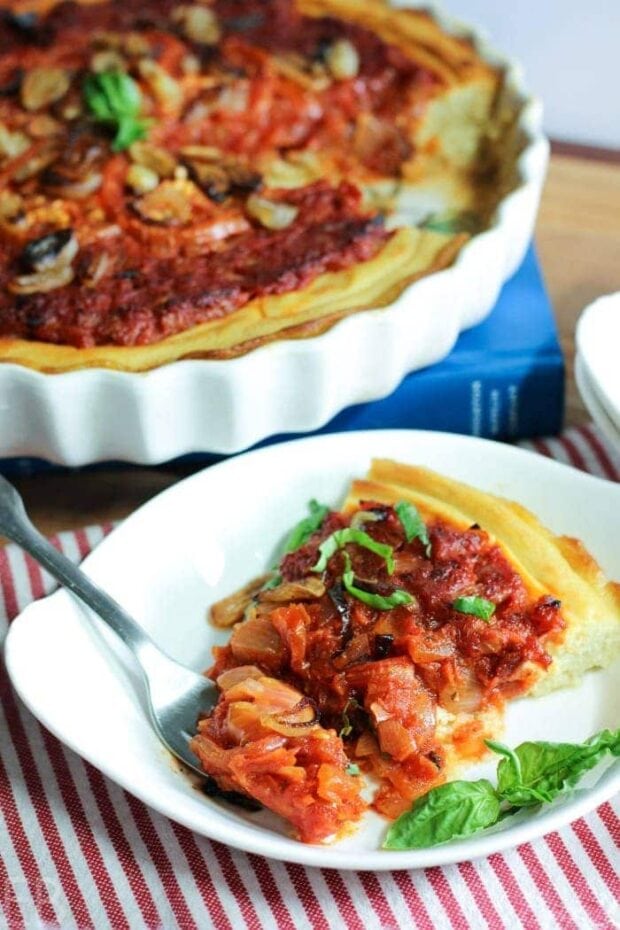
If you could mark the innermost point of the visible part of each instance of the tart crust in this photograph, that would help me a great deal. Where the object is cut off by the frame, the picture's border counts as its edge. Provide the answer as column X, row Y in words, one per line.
column 452, row 140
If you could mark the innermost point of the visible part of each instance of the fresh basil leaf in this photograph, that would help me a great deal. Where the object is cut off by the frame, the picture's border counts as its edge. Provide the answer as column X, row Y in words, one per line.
column 397, row 598
column 448, row 812
column 413, row 524
column 353, row 769
column 113, row 97
column 503, row 750
column 546, row 770
column 475, row 606
column 302, row 532
column 341, row 538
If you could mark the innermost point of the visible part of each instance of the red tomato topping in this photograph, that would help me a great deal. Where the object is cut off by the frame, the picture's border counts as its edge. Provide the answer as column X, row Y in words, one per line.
column 379, row 677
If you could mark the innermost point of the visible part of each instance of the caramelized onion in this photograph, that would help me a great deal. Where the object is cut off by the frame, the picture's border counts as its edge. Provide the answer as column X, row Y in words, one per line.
column 296, row 722
column 462, row 695
column 231, row 609
column 233, row 676
column 366, row 745
column 257, row 642
column 395, row 739
column 76, row 190
column 305, row 590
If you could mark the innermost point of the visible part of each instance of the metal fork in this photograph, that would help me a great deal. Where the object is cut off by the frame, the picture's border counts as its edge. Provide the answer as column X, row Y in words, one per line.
column 175, row 694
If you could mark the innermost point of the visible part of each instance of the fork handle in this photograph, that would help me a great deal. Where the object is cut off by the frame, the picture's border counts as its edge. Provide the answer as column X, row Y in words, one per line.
column 16, row 526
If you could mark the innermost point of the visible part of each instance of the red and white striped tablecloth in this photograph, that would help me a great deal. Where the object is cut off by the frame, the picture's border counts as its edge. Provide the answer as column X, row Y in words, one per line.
column 78, row 851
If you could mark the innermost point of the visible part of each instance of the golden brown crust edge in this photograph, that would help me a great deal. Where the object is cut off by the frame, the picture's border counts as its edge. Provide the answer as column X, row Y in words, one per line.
column 415, row 31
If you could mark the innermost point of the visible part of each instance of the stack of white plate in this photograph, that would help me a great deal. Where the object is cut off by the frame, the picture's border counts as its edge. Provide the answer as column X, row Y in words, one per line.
column 597, row 363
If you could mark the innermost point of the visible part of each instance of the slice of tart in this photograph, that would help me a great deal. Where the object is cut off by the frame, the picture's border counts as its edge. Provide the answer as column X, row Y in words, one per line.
column 398, row 628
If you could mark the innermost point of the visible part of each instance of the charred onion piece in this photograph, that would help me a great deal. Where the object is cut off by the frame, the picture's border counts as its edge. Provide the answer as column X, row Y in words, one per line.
column 373, row 515
column 42, row 253
column 232, row 608
column 13, row 84
column 76, row 172
column 382, row 645
column 294, row 722
column 338, row 599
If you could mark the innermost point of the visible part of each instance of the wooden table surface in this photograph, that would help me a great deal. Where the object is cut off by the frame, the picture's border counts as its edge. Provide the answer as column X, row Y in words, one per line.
column 578, row 237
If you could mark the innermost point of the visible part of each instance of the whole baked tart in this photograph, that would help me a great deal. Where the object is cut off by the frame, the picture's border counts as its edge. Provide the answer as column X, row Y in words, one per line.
column 194, row 180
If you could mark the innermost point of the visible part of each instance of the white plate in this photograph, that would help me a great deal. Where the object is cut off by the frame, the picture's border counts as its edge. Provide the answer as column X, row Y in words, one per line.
column 595, row 402
column 211, row 532
column 597, row 338
column 214, row 406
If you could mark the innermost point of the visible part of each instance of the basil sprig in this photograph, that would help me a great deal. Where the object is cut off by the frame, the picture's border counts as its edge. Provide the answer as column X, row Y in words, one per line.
column 475, row 606
column 340, row 538
column 303, row 530
column 532, row 774
column 536, row 773
column 397, row 598
column 113, row 97
column 413, row 524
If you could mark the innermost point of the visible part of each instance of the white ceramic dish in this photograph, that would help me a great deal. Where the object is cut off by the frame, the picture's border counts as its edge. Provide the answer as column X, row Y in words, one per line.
column 597, row 338
column 207, row 535
column 594, row 402
column 214, row 406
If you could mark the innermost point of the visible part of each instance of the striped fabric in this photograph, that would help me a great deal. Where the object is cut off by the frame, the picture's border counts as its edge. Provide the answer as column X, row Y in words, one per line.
column 78, row 851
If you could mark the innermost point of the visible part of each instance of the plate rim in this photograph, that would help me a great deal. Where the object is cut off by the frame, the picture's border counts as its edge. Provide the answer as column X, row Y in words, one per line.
column 262, row 841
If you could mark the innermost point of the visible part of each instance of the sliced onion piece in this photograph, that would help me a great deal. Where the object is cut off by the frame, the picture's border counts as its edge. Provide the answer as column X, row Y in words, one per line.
column 463, row 695
column 295, row 722
column 231, row 609
column 233, row 676
column 305, row 590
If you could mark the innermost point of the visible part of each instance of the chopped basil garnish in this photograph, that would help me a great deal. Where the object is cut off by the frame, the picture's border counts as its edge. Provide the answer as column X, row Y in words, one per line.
column 274, row 582
column 352, row 769
column 475, row 606
column 532, row 774
column 114, row 98
column 397, row 598
column 302, row 532
column 413, row 524
column 341, row 538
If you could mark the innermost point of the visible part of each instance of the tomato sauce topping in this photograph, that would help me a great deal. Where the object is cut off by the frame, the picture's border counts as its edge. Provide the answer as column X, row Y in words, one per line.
column 380, row 677
column 99, row 246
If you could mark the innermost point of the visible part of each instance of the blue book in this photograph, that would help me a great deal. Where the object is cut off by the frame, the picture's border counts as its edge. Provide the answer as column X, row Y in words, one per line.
column 504, row 379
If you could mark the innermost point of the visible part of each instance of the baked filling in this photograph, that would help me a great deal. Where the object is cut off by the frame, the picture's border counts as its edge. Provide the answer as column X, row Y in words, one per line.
column 163, row 166
column 388, row 641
